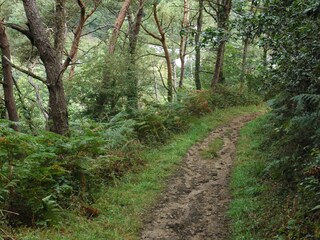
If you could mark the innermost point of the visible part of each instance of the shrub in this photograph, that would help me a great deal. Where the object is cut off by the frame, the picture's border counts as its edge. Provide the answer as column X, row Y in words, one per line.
column 41, row 174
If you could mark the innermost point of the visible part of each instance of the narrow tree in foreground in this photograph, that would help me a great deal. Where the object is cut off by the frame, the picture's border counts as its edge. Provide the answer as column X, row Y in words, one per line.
column 117, row 26
column 220, row 11
column 249, row 33
column 183, row 40
column 163, row 40
column 197, row 46
column 8, row 78
column 52, row 60
column 52, row 55
column 134, row 29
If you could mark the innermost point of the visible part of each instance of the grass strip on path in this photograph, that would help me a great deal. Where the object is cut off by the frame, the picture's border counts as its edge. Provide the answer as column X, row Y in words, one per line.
column 123, row 205
column 246, row 184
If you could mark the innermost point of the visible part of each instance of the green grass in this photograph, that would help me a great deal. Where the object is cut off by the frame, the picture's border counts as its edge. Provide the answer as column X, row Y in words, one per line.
column 246, row 184
column 212, row 151
column 123, row 204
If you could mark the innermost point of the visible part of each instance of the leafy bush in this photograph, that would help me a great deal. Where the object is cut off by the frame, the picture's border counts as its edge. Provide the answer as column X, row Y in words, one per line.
column 156, row 123
column 202, row 102
column 41, row 174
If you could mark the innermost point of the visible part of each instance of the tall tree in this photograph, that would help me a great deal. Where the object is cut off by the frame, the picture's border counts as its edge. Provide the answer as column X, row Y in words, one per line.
column 8, row 78
column 248, row 30
column 134, row 29
column 117, row 26
column 198, row 45
column 183, row 40
column 52, row 55
column 163, row 40
column 220, row 11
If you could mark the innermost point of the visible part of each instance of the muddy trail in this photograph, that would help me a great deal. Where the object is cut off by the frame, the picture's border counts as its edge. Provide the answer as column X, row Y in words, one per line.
column 197, row 197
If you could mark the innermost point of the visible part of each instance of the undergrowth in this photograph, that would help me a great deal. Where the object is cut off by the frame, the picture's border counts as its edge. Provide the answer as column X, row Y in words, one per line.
column 265, row 205
column 45, row 177
column 122, row 204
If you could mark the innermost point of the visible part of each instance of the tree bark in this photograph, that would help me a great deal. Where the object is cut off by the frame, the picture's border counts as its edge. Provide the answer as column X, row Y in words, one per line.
column 37, row 93
column 219, row 64
column 244, row 64
column 8, row 78
column 163, row 41
column 60, row 28
column 117, row 26
column 72, row 57
column 183, row 40
column 134, row 29
column 223, row 12
column 51, row 58
column 198, row 47
column 169, row 70
column 247, row 39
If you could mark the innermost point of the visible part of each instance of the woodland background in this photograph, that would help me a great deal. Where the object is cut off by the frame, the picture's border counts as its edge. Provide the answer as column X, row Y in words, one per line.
column 87, row 85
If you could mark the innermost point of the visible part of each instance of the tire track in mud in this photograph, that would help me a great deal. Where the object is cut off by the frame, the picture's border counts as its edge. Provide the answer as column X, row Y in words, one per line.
column 197, row 197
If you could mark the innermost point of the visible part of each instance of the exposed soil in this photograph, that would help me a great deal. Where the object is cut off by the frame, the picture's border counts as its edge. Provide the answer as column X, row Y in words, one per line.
column 194, row 204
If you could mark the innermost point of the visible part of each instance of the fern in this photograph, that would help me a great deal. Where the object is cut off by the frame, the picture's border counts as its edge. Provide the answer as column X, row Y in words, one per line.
column 305, row 101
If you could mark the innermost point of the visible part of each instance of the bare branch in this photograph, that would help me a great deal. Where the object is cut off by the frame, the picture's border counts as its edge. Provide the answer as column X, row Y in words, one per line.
column 150, row 33
column 22, row 30
column 97, row 29
column 161, row 77
column 151, row 54
column 168, row 26
column 31, row 74
column 78, row 33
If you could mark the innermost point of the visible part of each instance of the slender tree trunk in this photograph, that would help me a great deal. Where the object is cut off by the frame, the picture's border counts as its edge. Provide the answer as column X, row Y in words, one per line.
column 265, row 56
column 219, row 65
column 198, row 47
column 60, row 28
column 166, row 54
column 58, row 114
column 183, row 40
column 162, row 39
column 223, row 14
column 37, row 94
column 118, row 25
column 169, row 70
column 8, row 78
column 134, row 29
column 244, row 64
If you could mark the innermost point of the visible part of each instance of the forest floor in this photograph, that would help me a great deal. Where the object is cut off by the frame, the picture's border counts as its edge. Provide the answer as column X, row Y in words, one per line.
column 194, row 205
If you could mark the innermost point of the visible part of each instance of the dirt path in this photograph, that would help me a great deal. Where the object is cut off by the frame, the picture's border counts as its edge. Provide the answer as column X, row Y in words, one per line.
column 195, row 202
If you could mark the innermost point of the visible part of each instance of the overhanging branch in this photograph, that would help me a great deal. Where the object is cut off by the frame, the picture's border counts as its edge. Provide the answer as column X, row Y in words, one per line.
column 31, row 74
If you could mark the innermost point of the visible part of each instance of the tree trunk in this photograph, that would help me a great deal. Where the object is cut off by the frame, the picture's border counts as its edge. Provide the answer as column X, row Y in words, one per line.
column 51, row 58
column 198, row 47
column 118, row 25
column 244, row 64
column 134, row 29
column 37, row 94
column 166, row 54
column 60, row 28
column 219, row 65
column 169, row 70
column 8, row 78
column 183, row 40
column 223, row 14
column 265, row 56
column 162, row 39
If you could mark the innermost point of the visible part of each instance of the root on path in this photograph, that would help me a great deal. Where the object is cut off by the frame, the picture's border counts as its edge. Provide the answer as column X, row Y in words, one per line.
column 197, row 197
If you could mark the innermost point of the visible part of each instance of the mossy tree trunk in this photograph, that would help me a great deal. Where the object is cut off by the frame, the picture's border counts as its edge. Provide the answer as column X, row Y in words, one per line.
column 8, row 83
